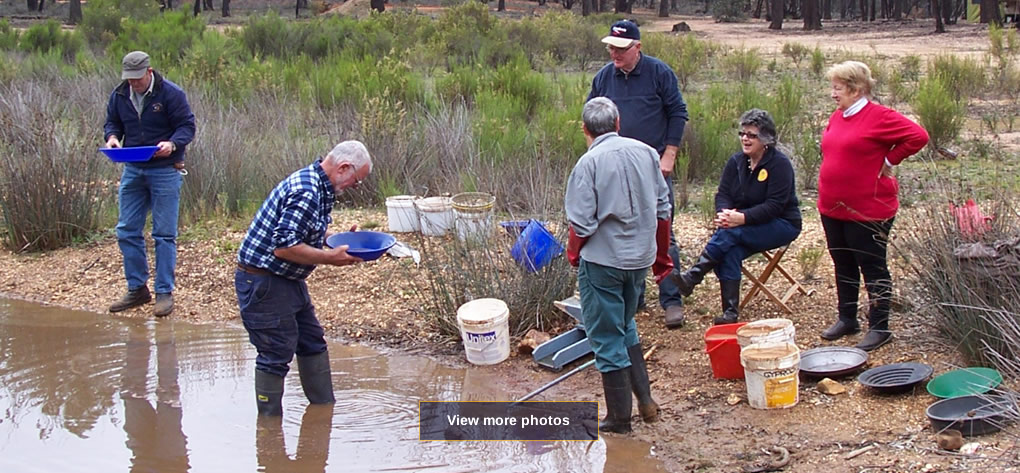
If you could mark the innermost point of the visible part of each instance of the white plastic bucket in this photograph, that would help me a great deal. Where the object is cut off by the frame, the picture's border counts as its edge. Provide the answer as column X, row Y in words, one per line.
column 485, row 330
column 472, row 212
column 436, row 215
column 771, row 371
column 768, row 330
column 401, row 214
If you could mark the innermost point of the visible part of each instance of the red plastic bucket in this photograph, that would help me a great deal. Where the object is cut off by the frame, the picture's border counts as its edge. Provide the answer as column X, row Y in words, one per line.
column 724, row 351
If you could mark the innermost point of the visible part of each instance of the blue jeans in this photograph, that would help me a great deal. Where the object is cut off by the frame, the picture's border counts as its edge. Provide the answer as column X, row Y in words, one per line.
column 609, row 299
column 142, row 190
column 280, row 319
column 729, row 246
column 669, row 294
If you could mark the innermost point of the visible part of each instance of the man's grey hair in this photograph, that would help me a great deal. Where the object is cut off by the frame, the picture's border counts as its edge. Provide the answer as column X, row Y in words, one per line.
column 351, row 151
column 599, row 116
column 761, row 119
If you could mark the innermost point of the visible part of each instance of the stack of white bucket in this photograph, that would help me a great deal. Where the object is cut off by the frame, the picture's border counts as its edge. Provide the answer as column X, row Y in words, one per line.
column 771, row 361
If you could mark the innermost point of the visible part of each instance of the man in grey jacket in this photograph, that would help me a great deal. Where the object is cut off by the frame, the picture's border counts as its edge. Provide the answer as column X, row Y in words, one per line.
column 618, row 206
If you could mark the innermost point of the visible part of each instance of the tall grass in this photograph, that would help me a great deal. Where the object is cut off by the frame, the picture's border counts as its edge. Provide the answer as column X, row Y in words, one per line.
column 963, row 279
column 457, row 272
column 53, row 184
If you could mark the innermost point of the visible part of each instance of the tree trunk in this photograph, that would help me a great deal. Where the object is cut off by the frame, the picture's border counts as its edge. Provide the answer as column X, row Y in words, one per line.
column 756, row 13
column 586, row 7
column 603, row 6
column 812, row 19
column 33, row 5
column 871, row 14
column 826, row 9
column 380, row 5
column 198, row 7
column 42, row 3
column 989, row 12
column 897, row 9
column 663, row 8
column 225, row 11
column 947, row 12
column 620, row 6
column 939, row 27
column 208, row 5
column 777, row 12
column 75, row 17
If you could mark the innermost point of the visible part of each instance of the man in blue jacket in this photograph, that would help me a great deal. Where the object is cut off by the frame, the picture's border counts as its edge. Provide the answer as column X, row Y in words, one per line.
column 148, row 110
column 651, row 111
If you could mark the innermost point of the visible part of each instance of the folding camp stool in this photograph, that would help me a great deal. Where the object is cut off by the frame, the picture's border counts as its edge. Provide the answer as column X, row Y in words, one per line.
column 758, row 283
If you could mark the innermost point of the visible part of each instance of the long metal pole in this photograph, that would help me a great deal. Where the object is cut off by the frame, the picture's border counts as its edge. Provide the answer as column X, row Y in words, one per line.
column 555, row 381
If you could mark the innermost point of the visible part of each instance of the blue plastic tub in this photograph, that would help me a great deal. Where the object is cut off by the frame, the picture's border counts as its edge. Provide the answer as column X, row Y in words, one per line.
column 130, row 155
column 535, row 247
column 365, row 245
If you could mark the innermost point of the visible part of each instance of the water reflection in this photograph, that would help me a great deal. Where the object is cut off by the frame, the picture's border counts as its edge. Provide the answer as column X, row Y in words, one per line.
column 154, row 433
column 312, row 442
column 112, row 394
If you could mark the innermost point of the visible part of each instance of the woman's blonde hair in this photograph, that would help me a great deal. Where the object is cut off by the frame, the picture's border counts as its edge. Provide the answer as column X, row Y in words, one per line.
column 855, row 74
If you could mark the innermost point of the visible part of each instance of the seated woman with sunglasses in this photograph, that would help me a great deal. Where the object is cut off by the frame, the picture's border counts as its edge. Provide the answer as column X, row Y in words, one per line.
column 756, row 209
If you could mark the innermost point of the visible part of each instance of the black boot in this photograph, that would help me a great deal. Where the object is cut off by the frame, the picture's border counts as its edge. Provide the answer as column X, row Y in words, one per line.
column 133, row 298
column 686, row 280
column 642, row 387
column 619, row 401
column 730, row 294
column 269, row 393
column 316, row 378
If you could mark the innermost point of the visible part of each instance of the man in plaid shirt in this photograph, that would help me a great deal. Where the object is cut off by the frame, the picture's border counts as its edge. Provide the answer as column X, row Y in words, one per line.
column 283, row 245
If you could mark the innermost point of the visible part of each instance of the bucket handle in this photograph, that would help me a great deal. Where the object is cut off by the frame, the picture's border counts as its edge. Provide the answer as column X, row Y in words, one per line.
column 716, row 345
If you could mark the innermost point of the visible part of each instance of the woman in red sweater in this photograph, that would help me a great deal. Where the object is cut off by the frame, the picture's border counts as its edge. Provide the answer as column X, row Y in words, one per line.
column 857, row 196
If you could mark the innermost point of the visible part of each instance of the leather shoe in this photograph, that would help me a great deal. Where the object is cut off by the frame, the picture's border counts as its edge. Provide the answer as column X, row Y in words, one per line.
column 840, row 329
column 674, row 316
column 164, row 305
column 133, row 298
column 874, row 339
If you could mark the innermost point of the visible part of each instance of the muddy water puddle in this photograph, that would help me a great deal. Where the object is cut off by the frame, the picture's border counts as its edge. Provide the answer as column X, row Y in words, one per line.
column 94, row 393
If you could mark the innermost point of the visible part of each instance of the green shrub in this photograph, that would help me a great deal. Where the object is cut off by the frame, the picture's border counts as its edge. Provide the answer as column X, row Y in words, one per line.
column 939, row 111
column 788, row 102
column 900, row 89
column 809, row 259
column 49, row 36
column 743, row 64
column 817, row 61
column 685, row 54
column 796, row 52
column 8, row 36
column 101, row 19
column 910, row 67
column 165, row 37
column 962, row 77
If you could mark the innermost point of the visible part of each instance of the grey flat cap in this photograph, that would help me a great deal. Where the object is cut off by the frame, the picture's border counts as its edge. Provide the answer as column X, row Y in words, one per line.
column 134, row 65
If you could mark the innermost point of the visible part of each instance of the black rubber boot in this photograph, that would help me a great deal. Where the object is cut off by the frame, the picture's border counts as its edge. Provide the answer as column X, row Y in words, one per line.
column 133, row 298
column 619, row 401
column 730, row 295
column 642, row 387
column 686, row 280
column 316, row 379
column 269, row 393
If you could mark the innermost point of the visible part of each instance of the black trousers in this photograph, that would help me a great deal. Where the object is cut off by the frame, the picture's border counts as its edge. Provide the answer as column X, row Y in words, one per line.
column 859, row 248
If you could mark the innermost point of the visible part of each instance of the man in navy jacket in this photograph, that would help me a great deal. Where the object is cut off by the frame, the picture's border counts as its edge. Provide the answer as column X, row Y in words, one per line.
column 651, row 111
column 148, row 110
